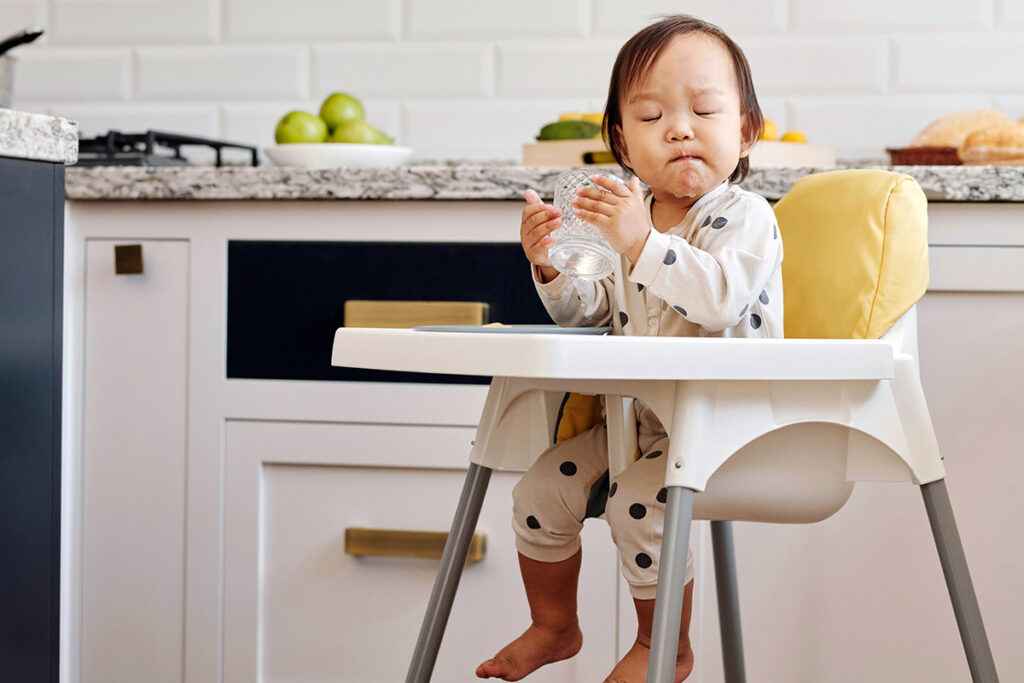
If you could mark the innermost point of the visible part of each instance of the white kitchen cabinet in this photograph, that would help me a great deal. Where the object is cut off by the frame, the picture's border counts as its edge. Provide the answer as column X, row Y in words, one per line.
column 133, row 464
column 298, row 608
column 223, row 502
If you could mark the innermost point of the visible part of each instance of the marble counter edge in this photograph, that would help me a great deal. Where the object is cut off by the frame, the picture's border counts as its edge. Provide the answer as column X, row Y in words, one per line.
column 466, row 181
column 38, row 137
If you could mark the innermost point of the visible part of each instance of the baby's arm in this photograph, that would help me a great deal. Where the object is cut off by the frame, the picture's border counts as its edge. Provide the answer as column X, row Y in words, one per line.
column 570, row 302
column 715, row 279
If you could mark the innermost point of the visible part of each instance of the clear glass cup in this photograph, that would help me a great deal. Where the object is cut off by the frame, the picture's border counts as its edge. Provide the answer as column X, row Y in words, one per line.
column 580, row 248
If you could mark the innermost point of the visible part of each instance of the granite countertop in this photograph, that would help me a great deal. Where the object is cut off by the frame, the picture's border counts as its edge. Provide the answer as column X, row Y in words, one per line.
column 471, row 180
column 38, row 137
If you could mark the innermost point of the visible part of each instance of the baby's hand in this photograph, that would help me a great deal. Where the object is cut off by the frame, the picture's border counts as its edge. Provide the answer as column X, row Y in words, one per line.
column 619, row 213
column 539, row 219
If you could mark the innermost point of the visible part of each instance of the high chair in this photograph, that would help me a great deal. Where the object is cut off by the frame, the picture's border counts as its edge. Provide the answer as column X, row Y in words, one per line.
column 760, row 430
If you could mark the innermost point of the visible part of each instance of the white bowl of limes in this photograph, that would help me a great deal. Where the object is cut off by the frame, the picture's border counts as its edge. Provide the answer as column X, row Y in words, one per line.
column 339, row 136
column 338, row 154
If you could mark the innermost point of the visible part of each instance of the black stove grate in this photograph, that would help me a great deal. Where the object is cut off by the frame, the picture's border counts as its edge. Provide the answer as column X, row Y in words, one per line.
column 152, row 148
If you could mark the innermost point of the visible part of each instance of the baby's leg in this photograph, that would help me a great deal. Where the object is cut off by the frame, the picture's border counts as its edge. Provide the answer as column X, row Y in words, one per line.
column 632, row 668
column 636, row 514
column 550, row 504
column 554, row 631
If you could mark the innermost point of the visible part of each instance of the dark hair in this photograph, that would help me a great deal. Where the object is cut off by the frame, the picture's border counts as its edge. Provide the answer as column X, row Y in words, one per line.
column 635, row 60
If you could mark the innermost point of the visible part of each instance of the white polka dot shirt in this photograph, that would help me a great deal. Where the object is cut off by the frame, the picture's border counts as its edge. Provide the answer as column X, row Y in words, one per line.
column 716, row 274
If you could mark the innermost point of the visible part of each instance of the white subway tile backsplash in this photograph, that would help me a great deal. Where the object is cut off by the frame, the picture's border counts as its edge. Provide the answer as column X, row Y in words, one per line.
column 862, row 127
column 18, row 14
column 478, row 78
column 549, row 68
column 404, row 69
column 825, row 64
column 1013, row 105
column 222, row 73
column 299, row 20
column 65, row 74
column 618, row 18
column 774, row 108
column 1009, row 14
column 254, row 123
column 129, row 117
column 974, row 63
column 134, row 21
column 475, row 19
column 879, row 16
column 480, row 130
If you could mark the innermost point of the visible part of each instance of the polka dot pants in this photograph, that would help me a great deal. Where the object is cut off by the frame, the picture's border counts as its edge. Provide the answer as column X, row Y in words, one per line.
column 550, row 504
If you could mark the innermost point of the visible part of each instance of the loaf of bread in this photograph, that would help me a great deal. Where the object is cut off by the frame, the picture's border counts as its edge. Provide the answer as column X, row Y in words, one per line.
column 952, row 130
column 1000, row 143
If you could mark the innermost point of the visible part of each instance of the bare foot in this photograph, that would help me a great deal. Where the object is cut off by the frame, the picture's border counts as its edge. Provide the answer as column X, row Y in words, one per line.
column 633, row 667
column 536, row 647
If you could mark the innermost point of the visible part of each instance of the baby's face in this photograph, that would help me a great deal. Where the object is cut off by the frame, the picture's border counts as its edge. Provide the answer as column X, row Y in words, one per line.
column 682, row 124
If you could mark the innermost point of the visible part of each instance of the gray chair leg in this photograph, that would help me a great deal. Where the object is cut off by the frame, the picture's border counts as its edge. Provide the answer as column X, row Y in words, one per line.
column 668, row 600
column 448, row 574
column 728, row 601
column 958, row 582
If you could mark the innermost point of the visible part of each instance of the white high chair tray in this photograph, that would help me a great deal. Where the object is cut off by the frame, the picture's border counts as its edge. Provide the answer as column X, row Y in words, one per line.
column 612, row 357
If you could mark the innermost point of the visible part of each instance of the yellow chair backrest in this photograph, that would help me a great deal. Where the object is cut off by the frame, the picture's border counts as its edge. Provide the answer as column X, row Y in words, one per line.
column 856, row 252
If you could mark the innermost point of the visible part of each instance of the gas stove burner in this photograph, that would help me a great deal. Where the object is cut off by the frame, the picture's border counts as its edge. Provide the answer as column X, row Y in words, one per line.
column 152, row 148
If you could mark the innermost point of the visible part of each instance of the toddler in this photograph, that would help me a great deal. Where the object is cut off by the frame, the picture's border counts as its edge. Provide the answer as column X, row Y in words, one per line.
column 699, row 256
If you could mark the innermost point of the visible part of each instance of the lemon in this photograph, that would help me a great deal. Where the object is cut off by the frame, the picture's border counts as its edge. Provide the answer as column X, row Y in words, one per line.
column 794, row 136
column 769, row 131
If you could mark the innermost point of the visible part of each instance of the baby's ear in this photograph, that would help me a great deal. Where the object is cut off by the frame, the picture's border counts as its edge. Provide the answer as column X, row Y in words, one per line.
column 749, row 132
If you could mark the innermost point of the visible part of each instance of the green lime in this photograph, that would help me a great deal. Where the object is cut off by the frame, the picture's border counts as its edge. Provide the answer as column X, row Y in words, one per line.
column 339, row 107
column 300, row 126
column 357, row 131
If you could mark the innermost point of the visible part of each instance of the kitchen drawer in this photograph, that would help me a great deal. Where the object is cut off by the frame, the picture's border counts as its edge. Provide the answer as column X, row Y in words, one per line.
column 286, row 299
column 297, row 607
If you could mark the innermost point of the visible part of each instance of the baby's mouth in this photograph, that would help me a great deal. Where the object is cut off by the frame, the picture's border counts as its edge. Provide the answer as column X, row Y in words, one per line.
column 684, row 158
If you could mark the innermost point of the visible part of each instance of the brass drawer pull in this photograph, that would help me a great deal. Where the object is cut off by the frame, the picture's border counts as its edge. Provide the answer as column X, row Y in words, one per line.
column 403, row 543
column 402, row 314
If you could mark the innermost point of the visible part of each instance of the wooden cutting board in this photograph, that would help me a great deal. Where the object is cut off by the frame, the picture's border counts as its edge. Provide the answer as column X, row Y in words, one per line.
column 567, row 153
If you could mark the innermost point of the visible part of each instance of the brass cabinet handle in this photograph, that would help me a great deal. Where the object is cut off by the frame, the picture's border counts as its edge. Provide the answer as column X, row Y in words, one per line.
column 402, row 314
column 403, row 543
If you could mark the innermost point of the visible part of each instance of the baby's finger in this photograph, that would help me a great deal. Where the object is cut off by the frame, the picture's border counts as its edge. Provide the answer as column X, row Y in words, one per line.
column 592, row 205
column 593, row 217
column 634, row 187
column 535, row 213
column 595, row 194
column 616, row 187
column 532, row 197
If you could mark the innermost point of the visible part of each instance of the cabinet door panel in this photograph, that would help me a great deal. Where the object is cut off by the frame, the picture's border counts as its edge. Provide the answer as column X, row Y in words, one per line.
column 298, row 608
column 133, row 501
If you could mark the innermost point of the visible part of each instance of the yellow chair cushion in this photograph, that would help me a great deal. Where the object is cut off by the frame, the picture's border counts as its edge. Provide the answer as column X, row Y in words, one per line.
column 579, row 413
column 856, row 252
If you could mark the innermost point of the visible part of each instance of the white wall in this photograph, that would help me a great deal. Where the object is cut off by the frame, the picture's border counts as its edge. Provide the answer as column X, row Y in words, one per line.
column 477, row 78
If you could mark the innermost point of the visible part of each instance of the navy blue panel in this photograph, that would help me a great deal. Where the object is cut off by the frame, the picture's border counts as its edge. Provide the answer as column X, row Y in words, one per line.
column 31, row 252
column 286, row 299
